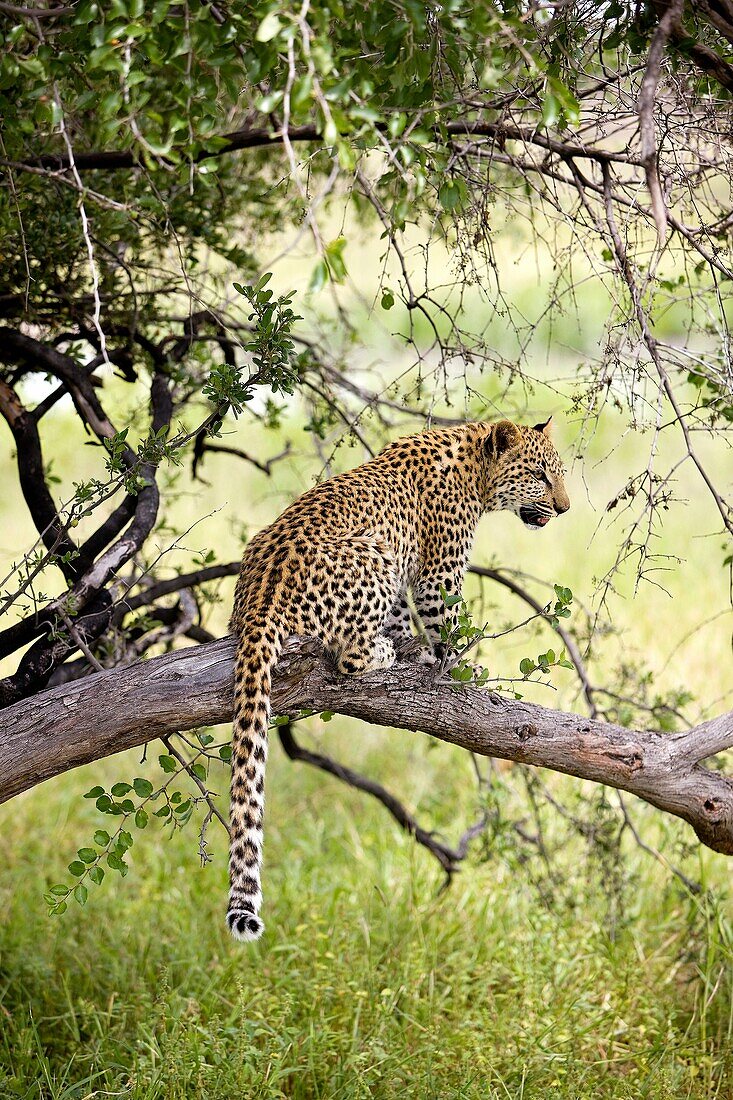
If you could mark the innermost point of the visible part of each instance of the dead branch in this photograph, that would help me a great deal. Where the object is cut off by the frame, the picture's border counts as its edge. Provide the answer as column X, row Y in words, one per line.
column 88, row 719
column 668, row 22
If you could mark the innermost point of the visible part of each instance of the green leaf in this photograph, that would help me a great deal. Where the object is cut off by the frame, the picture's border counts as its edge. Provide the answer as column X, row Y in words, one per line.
column 87, row 855
column 81, row 893
column 95, row 792
column 270, row 26
column 77, row 868
column 59, row 890
column 301, row 92
column 141, row 818
column 449, row 196
column 143, row 788
column 167, row 763
column 326, row 715
column 319, row 277
column 397, row 124
column 120, row 789
column 335, row 259
column 550, row 109
column 96, row 874
column 387, row 299
column 268, row 103
column 346, row 155
column 526, row 666
column 262, row 281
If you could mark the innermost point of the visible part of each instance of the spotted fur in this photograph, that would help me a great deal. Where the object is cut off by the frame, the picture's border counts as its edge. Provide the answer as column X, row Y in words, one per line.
column 337, row 565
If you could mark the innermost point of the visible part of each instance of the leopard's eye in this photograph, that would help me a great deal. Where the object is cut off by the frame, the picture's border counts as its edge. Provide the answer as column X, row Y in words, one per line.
column 541, row 475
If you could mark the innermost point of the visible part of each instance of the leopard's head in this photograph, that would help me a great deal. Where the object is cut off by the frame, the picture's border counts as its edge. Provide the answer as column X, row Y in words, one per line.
column 525, row 473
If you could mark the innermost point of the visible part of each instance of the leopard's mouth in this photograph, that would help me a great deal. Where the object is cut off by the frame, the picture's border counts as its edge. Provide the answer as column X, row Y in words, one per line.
column 533, row 519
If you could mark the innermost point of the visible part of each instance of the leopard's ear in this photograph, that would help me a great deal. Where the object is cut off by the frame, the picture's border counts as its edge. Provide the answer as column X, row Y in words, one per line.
column 502, row 437
column 546, row 427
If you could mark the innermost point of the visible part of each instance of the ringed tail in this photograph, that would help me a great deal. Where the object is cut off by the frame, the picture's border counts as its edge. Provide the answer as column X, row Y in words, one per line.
column 257, row 653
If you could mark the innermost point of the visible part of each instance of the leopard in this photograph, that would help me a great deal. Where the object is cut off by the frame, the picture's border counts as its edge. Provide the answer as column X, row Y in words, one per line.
column 340, row 565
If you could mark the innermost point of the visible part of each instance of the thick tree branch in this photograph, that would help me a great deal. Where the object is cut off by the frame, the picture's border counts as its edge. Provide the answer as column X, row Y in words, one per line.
column 22, row 12
column 87, row 599
column 255, row 137
column 32, row 479
column 76, row 723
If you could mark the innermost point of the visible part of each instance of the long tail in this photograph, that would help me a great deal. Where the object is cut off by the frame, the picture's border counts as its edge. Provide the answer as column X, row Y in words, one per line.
column 257, row 653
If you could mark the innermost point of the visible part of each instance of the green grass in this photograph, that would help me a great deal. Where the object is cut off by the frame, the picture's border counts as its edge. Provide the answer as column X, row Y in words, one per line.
column 517, row 982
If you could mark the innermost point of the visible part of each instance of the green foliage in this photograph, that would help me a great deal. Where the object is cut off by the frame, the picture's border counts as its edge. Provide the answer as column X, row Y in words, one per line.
column 463, row 636
column 561, row 610
column 166, row 85
column 548, row 660
column 271, row 348
column 544, row 662
column 111, row 848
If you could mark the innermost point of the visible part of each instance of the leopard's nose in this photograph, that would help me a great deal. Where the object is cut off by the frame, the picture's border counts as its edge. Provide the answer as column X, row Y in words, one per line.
column 562, row 505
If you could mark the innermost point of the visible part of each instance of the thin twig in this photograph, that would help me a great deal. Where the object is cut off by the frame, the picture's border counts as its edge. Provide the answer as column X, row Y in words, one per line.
column 186, row 765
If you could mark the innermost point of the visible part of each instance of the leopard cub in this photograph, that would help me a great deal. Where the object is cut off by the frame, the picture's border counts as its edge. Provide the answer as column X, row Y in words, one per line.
column 337, row 566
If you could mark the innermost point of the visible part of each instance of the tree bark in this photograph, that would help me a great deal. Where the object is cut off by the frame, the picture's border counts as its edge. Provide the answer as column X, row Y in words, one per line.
column 107, row 713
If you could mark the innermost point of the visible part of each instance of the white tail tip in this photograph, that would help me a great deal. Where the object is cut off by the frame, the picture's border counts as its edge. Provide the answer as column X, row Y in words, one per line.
column 244, row 925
